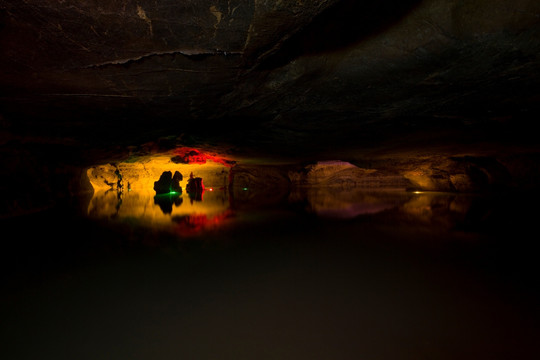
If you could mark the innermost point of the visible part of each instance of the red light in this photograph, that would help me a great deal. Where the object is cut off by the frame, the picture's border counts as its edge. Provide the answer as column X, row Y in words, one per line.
column 188, row 155
column 196, row 223
column 211, row 189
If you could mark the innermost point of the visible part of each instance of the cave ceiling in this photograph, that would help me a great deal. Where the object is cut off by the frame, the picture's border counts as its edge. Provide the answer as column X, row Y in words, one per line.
column 275, row 78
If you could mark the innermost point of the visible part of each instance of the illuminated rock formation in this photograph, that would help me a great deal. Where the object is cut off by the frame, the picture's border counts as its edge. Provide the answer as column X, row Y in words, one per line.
column 459, row 174
column 143, row 172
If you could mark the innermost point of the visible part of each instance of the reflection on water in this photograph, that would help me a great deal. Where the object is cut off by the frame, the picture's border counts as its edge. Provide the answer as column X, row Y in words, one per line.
column 351, row 202
column 190, row 214
column 166, row 201
column 307, row 273
column 180, row 212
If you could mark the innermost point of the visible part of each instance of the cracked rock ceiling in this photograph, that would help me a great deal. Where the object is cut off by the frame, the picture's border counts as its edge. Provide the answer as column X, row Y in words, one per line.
column 284, row 79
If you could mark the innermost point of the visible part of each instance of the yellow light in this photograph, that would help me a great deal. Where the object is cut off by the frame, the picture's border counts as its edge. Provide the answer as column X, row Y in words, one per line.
column 142, row 174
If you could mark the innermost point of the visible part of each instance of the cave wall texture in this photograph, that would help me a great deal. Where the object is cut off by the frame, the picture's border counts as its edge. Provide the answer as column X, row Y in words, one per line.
column 377, row 83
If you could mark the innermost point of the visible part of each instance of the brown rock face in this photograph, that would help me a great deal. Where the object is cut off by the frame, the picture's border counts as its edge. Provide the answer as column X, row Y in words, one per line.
column 85, row 83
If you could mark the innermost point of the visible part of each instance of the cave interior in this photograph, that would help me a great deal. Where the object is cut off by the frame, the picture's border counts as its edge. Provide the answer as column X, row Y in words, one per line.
column 332, row 120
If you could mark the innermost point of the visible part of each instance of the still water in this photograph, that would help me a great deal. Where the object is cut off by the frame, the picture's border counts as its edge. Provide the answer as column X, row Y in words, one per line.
column 216, row 210
column 314, row 273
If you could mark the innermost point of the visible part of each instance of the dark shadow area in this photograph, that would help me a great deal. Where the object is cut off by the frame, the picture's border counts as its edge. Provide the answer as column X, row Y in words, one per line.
column 168, row 183
column 166, row 201
column 342, row 25
column 378, row 286
column 195, row 188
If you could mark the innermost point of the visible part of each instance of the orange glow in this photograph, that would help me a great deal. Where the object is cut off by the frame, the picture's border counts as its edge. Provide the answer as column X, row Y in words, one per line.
column 178, row 213
column 136, row 198
column 141, row 175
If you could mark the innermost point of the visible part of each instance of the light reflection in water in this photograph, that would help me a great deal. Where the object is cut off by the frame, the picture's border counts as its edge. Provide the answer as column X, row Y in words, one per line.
column 347, row 203
column 180, row 212
column 330, row 281
column 185, row 215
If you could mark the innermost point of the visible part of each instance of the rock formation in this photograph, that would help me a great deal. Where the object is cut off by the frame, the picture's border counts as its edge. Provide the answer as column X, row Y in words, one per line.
column 288, row 82
column 168, row 183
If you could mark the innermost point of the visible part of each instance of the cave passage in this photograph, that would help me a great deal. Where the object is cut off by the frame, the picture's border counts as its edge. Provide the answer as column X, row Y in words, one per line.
column 249, row 179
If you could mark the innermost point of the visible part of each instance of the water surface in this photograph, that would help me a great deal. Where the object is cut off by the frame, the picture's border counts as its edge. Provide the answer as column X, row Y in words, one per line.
column 313, row 273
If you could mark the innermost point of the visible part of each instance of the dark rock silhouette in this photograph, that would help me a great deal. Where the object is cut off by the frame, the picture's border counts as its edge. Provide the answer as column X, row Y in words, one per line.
column 195, row 187
column 168, row 183
column 175, row 185
column 163, row 185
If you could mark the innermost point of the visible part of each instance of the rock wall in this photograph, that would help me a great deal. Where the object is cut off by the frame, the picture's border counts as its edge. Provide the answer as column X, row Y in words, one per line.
column 343, row 174
column 142, row 174
column 459, row 174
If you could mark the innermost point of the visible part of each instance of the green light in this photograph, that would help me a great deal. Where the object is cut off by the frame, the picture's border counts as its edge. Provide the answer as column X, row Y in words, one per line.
column 245, row 189
column 168, row 194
